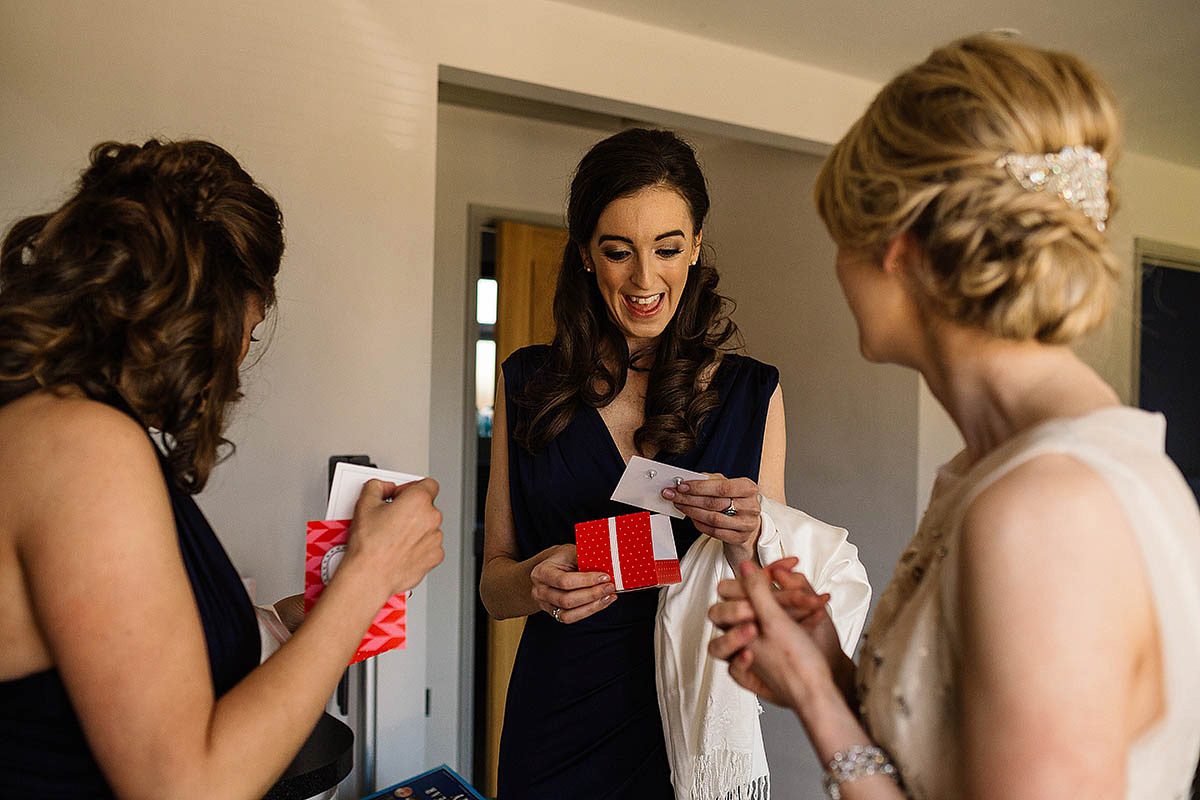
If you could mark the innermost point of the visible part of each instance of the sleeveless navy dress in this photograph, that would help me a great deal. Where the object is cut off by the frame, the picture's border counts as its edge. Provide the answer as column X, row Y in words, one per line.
column 43, row 752
column 581, row 719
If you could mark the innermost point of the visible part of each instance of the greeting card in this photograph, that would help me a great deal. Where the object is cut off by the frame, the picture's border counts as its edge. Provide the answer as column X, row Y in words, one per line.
column 643, row 480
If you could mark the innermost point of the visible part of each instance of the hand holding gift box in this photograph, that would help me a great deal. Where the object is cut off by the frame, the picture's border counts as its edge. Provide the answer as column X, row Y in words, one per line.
column 326, row 545
column 636, row 550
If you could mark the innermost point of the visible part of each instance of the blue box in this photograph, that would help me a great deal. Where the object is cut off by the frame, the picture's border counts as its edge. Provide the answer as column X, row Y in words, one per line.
column 439, row 783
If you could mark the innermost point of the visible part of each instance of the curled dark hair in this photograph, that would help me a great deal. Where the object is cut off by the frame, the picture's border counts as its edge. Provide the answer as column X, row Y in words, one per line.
column 135, row 291
column 590, row 360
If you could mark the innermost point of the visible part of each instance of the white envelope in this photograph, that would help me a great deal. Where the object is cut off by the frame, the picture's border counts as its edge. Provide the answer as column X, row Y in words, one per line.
column 642, row 483
column 348, row 480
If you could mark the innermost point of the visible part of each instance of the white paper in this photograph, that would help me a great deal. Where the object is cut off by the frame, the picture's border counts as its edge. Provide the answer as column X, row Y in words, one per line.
column 642, row 483
column 662, row 539
column 348, row 481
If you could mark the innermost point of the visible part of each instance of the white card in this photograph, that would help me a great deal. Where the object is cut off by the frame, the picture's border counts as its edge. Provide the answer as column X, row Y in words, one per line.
column 642, row 483
column 348, row 480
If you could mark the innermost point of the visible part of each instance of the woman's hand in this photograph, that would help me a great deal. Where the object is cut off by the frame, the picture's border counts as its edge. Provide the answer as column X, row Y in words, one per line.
column 727, row 509
column 795, row 596
column 562, row 591
column 396, row 532
column 768, row 652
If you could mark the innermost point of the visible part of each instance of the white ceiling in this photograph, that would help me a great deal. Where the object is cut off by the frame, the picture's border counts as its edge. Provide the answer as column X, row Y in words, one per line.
column 1148, row 51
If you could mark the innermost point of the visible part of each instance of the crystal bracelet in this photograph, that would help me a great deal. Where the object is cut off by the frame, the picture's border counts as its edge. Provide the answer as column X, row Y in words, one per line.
column 857, row 762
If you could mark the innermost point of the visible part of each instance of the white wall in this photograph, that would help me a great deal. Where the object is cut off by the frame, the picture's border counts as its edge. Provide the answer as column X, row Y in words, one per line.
column 852, row 427
column 333, row 110
column 333, row 107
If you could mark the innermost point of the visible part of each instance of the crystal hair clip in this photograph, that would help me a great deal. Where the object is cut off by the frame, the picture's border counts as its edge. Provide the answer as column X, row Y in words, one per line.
column 1078, row 175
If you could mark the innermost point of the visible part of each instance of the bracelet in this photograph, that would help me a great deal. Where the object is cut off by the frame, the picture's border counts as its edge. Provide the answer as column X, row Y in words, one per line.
column 857, row 762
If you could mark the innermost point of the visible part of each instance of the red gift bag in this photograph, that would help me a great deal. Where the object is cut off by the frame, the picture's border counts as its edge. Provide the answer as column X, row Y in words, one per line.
column 326, row 545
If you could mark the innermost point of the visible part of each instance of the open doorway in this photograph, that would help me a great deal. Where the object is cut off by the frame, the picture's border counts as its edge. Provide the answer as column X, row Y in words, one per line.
column 849, row 424
column 518, row 258
column 1166, row 357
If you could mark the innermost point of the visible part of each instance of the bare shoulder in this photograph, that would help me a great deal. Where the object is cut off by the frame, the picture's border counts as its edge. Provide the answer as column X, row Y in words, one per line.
column 67, row 418
column 1050, row 564
column 1051, row 503
column 54, row 450
column 1055, row 612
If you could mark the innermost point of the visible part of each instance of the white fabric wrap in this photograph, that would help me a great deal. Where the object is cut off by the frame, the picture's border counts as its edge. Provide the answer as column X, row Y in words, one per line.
column 714, row 739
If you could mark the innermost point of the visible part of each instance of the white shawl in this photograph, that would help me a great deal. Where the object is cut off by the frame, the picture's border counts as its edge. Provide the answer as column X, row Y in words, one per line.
column 711, row 725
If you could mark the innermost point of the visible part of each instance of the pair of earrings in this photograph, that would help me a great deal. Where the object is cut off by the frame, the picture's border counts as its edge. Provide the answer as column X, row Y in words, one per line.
column 651, row 473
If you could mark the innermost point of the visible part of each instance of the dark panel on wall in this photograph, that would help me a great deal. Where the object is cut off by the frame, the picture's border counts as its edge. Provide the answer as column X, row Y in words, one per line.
column 1169, row 359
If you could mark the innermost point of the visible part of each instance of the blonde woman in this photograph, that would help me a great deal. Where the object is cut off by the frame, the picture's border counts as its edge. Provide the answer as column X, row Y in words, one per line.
column 1041, row 634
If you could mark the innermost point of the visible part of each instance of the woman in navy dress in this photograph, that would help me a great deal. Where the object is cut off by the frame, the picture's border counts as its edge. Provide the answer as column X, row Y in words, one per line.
column 641, row 364
column 129, row 664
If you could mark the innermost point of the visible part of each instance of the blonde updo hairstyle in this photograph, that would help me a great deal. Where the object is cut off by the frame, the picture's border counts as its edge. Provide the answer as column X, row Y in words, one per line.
column 1018, row 264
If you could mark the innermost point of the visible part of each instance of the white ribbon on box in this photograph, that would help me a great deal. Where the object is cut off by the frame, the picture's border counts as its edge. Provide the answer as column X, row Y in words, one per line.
column 614, row 554
column 662, row 543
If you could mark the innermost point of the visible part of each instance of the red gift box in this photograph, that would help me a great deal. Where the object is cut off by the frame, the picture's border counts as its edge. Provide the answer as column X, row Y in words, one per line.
column 644, row 546
column 326, row 545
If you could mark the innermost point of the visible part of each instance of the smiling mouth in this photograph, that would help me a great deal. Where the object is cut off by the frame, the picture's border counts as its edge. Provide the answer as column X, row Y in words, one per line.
column 644, row 305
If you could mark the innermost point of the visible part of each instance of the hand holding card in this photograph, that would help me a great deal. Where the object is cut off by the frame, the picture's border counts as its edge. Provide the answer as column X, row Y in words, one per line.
column 643, row 481
column 348, row 482
column 403, row 539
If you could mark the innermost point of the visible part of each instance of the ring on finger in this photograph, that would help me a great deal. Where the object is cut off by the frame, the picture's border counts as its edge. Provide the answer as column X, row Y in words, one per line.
column 731, row 511
column 556, row 614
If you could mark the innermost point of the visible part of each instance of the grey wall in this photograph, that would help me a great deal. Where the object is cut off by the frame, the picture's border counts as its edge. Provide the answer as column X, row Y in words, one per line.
column 852, row 427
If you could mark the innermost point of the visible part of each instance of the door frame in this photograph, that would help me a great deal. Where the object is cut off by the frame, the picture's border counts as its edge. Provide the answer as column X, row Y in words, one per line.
column 1151, row 252
column 480, row 217
column 536, row 101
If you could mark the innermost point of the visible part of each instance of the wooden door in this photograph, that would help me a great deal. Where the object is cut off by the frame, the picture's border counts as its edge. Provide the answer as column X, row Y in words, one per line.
column 527, row 262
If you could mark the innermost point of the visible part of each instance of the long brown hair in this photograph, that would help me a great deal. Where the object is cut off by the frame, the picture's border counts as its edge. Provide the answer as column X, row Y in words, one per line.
column 590, row 360
column 135, row 291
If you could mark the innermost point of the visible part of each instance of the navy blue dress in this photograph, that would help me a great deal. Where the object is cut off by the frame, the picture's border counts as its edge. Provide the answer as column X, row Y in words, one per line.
column 581, row 719
column 43, row 752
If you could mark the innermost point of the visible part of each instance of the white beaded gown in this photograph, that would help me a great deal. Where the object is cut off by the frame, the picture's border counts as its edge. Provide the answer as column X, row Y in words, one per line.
column 909, row 664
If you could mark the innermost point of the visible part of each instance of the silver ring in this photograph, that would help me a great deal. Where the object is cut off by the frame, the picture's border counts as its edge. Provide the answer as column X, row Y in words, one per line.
column 731, row 511
column 555, row 613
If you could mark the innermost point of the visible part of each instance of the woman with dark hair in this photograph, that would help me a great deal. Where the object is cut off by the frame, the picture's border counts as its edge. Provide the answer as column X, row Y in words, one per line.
column 130, row 658
column 641, row 364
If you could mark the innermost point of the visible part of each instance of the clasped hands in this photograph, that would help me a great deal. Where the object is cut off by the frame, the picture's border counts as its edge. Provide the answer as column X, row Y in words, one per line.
column 777, row 634
column 568, row 595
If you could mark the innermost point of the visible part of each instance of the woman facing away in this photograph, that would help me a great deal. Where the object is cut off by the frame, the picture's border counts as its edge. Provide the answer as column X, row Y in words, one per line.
column 129, row 664
column 640, row 364
column 1040, row 635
